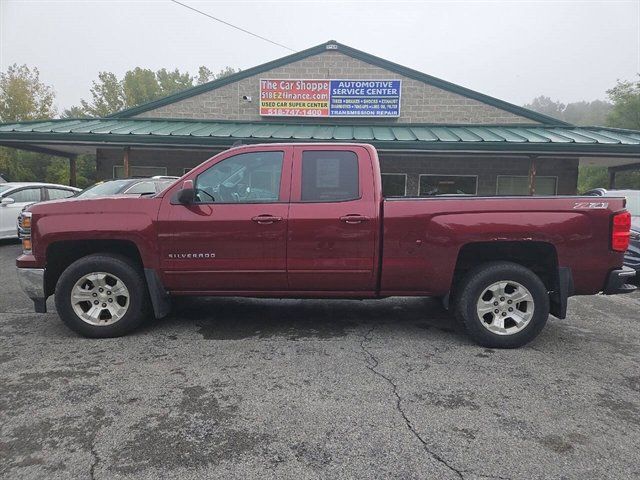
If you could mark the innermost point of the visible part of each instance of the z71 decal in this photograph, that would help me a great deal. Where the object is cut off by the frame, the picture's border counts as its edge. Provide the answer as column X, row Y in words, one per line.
column 591, row 205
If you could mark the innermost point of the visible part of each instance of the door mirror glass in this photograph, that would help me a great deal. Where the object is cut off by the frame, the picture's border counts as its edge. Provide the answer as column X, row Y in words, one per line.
column 187, row 194
column 7, row 201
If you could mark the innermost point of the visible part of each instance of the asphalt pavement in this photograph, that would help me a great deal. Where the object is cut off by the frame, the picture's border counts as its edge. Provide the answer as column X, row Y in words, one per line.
column 231, row 388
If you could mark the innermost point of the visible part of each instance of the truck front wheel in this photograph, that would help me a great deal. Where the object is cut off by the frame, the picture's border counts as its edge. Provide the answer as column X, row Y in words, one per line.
column 502, row 305
column 101, row 296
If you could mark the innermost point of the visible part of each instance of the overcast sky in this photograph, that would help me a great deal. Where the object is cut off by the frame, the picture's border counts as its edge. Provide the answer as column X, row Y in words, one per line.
column 514, row 50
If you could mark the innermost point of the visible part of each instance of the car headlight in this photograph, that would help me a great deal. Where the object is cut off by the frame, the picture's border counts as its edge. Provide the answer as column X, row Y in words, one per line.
column 24, row 224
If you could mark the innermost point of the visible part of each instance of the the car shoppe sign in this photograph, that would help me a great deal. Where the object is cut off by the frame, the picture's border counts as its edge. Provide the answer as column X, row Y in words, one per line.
column 330, row 98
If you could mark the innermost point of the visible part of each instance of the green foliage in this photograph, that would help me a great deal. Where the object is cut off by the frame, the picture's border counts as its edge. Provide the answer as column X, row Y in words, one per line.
column 576, row 113
column 106, row 96
column 141, row 85
column 174, row 81
column 626, row 105
column 592, row 177
column 23, row 96
column 546, row 106
column 587, row 113
column 74, row 112
column 205, row 75
column 57, row 170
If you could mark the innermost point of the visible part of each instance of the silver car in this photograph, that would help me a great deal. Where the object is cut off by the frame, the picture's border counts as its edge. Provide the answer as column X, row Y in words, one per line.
column 14, row 196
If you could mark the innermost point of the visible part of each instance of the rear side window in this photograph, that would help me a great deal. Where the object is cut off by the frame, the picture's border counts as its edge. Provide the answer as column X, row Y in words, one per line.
column 329, row 176
column 58, row 193
column 26, row 195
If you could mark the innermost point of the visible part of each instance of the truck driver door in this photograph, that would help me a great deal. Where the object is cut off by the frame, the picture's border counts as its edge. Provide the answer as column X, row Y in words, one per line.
column 233, row 238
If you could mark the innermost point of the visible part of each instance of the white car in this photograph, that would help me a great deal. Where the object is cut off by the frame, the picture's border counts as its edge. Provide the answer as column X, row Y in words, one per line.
column 14, row 196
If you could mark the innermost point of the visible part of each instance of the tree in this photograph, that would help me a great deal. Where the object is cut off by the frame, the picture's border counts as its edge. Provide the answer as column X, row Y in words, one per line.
column 587, row 113
column 546, row 106
column 576, row 113
column 626, row 105
column 23, row 96
column 174, row 81
column 107, row 96
column 140, row 86
column 205, row 75
column 73, row 112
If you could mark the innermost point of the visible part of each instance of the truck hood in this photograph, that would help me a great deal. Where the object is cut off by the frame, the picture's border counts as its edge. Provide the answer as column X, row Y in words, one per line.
column 114, row 204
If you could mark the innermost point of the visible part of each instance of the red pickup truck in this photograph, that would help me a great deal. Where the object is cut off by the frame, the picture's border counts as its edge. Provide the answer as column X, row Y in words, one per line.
column 310, row 220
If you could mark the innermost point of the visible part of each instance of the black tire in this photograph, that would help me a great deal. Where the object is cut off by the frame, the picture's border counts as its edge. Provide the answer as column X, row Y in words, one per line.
column 475, row 284
column 116, row 265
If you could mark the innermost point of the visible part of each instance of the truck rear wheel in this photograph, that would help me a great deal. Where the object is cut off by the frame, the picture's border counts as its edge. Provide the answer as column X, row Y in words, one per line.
column 101, row 296
column 502, row 305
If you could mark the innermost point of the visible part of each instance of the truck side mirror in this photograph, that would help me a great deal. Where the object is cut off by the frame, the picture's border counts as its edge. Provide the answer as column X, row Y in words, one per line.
column 7, row 201
column 187, row 194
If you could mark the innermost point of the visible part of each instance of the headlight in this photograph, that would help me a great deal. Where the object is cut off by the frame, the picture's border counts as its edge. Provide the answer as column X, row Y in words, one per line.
column 24, row 225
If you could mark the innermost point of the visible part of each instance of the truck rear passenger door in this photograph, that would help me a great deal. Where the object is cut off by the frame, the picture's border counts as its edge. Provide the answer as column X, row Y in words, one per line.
column 333, row 220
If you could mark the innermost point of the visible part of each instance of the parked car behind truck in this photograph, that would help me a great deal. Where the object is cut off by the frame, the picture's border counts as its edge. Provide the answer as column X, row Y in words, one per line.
column 14, row 196
column 632, row 255
column 309, row 220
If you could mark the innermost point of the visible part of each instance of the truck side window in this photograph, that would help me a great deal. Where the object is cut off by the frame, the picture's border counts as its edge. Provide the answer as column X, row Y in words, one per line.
column 329, row 176
column 245, row 178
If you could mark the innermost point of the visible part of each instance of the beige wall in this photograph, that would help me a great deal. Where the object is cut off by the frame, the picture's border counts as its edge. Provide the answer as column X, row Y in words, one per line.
column 420, row 103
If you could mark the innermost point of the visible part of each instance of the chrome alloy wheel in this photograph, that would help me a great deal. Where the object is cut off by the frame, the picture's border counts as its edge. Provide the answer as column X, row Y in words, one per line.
column 505, row 307
column 100, row 298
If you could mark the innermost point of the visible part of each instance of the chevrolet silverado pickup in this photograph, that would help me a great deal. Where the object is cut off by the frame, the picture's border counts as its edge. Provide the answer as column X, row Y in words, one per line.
column 310, row 220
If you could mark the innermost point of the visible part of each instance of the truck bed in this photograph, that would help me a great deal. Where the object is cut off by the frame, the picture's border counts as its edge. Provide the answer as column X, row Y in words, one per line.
column 423, row 237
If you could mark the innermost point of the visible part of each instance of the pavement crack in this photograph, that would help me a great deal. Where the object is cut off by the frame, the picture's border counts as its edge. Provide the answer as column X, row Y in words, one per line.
column 95, row 462
column 372, row 364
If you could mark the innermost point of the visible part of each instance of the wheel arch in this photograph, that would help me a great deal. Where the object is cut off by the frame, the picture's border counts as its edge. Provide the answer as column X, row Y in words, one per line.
column 63, row 253
column 538, row 256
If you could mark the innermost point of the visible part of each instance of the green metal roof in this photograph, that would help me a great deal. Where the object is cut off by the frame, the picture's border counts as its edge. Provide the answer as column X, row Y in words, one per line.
column 198, row 133
column 332, row 45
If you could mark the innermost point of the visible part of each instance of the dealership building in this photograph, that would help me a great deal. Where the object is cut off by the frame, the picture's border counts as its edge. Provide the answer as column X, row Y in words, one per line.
column 433, row 137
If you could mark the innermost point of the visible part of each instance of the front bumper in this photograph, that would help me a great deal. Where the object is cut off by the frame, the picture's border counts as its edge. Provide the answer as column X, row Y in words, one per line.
column 618, row 281
column 32, row 283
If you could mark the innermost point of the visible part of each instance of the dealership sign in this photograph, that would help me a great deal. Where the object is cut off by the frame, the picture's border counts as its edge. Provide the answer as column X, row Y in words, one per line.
column 330, row 98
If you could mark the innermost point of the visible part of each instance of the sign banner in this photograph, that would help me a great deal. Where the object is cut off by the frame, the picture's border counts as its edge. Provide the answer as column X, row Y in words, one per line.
column 330, row 98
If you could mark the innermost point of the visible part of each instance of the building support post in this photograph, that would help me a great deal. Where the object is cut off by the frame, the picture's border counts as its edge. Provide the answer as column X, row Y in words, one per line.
column 612, row 179
column 126, row 162
column 73, row 180
column 532, row 175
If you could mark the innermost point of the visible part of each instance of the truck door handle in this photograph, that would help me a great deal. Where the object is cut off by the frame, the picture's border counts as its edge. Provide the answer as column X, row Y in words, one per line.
column 266, row 219
column 354, row 218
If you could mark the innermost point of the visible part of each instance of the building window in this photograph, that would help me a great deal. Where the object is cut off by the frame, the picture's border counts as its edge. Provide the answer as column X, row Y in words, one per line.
column 448, row 185
column 394, row 184
column 138, row 172
column 330, row 176
column 519, row 185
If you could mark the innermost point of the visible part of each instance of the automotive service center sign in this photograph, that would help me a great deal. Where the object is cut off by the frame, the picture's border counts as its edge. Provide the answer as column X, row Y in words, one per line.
column 330, row 98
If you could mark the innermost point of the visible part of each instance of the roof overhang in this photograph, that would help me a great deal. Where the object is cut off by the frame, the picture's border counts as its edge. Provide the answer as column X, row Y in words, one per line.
column 594, row 145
